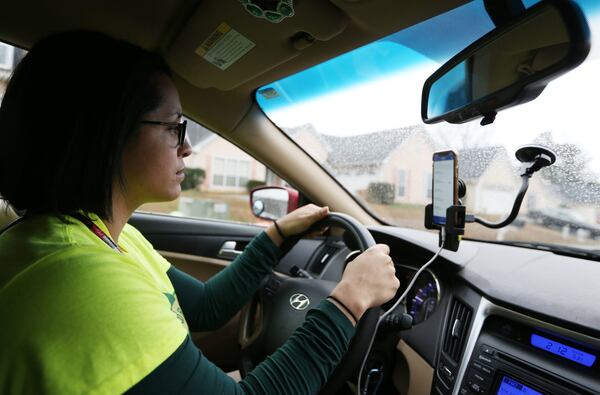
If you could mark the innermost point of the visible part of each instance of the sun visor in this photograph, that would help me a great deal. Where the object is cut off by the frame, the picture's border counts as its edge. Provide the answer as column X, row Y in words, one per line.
column 225, row 46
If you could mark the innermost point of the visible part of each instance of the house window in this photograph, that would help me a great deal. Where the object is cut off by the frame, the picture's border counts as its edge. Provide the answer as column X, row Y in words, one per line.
column 6, row 56
column 428, row 185
column 218, row 171
column 401, row 182
column 230, row 172
column 243, row 169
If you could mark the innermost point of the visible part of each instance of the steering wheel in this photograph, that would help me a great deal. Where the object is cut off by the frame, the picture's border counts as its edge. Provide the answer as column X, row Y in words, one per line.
column 281, row 304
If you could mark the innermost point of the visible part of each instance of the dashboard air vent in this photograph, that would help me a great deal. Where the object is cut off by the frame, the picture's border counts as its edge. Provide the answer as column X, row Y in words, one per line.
column 457, row 329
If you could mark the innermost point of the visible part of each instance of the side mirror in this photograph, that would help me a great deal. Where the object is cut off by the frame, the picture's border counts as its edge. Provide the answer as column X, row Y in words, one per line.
column 273, row 202
column 510, row 65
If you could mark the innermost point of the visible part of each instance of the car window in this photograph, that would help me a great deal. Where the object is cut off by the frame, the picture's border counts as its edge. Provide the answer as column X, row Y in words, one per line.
column 9, row 58
column 218, row 179
column 359, row 116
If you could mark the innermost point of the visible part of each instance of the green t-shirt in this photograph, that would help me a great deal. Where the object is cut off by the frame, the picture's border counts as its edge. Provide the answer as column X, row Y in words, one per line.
column 78, row 316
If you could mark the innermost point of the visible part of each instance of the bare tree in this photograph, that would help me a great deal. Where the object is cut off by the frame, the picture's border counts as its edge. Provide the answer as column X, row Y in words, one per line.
column 570, row 174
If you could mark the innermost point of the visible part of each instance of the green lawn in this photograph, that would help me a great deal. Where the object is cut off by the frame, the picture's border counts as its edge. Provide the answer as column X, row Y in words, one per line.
column 238, row 204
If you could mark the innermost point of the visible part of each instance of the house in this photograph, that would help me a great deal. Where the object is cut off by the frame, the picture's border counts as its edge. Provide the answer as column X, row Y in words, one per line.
column 392, row 156
column 493, row 183
column 401, row 157
column 227, row 168
column 541, row 195
column 491, row 180
column 311, row 141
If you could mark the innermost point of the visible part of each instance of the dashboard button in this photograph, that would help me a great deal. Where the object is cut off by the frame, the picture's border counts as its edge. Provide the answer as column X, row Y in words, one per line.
column 479, row 379
column 477, row 388
column 485, row 370
column 487, row 350
column 484, row 358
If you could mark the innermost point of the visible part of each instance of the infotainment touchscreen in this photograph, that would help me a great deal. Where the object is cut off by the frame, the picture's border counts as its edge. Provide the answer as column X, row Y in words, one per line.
column 510, row 386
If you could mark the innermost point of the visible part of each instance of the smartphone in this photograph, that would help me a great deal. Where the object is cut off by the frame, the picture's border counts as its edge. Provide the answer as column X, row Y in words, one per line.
column 445, row 184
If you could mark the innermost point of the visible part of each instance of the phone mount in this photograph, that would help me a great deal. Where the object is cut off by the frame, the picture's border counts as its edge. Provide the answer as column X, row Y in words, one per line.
column 454, row 226
column 536, row 156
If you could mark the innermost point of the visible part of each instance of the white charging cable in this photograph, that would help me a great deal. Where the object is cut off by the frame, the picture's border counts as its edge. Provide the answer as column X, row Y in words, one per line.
column 400, row 299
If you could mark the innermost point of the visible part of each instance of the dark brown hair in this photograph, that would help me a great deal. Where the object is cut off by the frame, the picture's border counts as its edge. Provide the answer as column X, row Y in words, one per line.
column 70, row 107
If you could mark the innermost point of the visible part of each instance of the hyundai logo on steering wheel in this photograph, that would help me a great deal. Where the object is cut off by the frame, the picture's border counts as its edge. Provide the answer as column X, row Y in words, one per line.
column 299, row 301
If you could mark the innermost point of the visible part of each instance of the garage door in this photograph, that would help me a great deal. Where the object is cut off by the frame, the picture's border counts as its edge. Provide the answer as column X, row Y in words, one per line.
column 495, row 201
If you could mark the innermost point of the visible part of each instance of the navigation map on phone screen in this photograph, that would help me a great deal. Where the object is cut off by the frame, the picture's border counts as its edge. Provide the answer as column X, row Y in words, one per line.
column 443, row 185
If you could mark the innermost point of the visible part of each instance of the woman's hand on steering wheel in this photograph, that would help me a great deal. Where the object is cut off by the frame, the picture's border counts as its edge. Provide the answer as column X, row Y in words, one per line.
column 368, row 281
column 297, row 222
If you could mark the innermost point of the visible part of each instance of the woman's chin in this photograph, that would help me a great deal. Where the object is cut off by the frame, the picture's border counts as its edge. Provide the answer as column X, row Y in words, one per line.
column 165, row 196
column 174, row 194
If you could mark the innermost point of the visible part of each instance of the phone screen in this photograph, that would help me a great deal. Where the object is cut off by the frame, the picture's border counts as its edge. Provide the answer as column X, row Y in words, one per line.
column 444, row 173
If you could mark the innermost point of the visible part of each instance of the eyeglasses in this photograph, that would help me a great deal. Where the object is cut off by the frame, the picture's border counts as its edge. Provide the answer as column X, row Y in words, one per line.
column 172, row 125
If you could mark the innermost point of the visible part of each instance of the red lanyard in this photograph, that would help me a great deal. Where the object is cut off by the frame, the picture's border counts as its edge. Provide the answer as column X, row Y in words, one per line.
column 97, row 231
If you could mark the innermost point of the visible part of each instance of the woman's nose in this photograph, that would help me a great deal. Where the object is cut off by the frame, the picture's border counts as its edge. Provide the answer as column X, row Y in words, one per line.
column 185, row 149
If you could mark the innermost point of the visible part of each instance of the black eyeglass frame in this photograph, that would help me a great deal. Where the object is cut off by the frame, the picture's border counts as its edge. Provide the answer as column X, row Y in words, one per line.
column 181, row 128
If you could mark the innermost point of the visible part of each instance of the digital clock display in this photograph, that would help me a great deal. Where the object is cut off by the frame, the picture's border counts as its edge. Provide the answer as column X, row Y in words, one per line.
column 562, row 350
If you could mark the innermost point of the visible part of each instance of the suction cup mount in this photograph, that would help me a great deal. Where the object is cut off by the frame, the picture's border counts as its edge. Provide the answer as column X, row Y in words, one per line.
column 539, row 155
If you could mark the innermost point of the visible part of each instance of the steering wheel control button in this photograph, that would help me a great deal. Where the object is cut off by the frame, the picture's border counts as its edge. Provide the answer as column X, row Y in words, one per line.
column 297, row 272
column 299, row 301
column 271, row 287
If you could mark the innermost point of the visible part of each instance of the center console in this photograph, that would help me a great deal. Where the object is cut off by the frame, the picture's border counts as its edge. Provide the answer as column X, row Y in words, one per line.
column 512, row 354
column 511, row 358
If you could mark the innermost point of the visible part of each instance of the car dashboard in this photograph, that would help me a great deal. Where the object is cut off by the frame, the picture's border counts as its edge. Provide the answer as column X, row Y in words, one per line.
column 487, row 319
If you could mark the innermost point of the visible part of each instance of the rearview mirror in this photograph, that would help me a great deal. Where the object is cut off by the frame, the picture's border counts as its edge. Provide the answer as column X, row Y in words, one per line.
column 273, row 202
column 508, row 66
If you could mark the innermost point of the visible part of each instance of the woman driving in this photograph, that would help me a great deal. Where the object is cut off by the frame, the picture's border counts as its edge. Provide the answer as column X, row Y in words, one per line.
column 91, row 129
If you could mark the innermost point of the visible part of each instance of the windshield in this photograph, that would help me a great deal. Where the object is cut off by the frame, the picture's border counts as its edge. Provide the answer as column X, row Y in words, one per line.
column 358, row 115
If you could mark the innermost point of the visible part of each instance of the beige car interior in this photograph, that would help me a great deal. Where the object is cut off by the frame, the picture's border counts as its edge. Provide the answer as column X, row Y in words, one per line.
column 223, row 100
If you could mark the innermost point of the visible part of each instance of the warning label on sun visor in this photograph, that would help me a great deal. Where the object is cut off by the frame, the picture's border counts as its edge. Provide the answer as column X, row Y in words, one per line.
column 224, row 47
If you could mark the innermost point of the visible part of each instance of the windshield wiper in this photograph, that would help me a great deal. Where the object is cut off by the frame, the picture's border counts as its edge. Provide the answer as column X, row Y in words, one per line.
column 556, row 249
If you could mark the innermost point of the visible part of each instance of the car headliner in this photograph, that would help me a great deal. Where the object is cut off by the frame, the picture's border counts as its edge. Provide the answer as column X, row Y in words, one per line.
column 220, row 99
